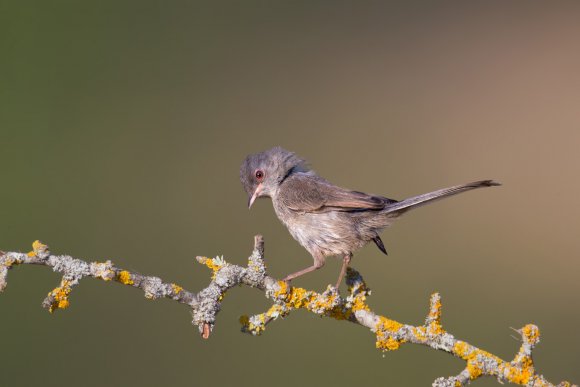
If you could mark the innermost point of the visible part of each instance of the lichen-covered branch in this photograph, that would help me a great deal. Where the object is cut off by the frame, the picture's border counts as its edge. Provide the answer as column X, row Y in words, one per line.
column 73, row 270
column 205, row 305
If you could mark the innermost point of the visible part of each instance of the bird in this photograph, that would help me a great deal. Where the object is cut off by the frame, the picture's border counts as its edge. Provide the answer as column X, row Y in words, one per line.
column 327, row 220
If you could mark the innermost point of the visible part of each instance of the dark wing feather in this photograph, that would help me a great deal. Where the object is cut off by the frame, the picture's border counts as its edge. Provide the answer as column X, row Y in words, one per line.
column 310, row 193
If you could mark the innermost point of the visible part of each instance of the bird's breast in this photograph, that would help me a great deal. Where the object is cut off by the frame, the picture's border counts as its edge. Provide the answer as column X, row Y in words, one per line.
column 326, row 233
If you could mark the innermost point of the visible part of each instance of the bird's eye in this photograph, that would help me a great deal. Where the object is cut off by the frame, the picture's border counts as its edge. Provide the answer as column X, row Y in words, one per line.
column 259, row 175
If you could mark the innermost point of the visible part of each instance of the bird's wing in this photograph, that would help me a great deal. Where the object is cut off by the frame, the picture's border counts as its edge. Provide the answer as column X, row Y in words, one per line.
column 310, row 193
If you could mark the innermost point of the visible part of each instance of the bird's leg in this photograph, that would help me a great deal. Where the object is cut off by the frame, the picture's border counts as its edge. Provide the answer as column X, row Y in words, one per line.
column 345, row 262
column 318, row 263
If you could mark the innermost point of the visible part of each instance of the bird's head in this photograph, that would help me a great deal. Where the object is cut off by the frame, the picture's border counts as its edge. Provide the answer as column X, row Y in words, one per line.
column 261, row 173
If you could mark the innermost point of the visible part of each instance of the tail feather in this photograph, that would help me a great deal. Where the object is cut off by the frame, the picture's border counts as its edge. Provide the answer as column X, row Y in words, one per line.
column 416, row 201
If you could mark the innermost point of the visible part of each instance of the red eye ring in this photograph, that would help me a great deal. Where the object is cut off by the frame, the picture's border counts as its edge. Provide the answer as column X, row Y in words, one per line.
column 259, row 175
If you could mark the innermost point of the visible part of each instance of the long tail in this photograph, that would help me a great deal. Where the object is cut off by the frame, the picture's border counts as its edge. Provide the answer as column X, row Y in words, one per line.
column 416, row 201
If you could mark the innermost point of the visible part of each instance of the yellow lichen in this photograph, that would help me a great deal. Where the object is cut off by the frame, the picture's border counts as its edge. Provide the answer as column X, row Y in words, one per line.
column 60, row 296
column 390, row 325
column 390, row 344
column 176, row 288
column 324, row 303
column 209, row 262
column 214, row 264
column 435, row 311
column 531, row 333
column 435, row 328
column 420, row 333
column 124, row 277
column 321, row 304
column 297, row 297
column 37, row 247
column 283, row 288
column 474, row 369
column 385, row 330
column 523, row 375
column 359, row 303
column 460, row 349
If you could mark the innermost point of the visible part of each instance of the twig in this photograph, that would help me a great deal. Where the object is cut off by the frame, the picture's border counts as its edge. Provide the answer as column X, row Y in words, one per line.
column 205, row 305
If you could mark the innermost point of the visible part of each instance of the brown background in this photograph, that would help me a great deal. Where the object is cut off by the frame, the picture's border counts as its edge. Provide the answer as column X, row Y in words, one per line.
column 123, row 125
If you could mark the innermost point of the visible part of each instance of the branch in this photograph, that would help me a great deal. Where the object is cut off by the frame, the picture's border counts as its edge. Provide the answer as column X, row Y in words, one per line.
column 205, row 305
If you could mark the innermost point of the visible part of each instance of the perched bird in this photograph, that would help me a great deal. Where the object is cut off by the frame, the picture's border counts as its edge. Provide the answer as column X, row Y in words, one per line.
column 325, row 219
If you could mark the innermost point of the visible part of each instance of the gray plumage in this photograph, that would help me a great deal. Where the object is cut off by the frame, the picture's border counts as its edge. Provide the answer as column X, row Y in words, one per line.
column 325, row 219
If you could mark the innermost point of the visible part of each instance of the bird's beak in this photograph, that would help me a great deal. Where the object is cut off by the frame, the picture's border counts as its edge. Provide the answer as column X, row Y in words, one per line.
column 256, row 195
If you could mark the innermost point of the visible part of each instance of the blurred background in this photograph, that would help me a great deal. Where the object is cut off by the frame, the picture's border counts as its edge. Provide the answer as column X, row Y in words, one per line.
column 123, row 126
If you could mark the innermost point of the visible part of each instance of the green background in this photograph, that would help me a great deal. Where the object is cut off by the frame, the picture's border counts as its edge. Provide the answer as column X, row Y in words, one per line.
column 123, row 125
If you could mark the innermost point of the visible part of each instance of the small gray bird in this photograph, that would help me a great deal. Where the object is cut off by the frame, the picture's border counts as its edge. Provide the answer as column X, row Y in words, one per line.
column 325, row 219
